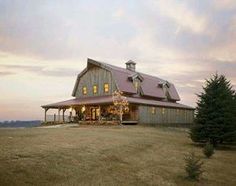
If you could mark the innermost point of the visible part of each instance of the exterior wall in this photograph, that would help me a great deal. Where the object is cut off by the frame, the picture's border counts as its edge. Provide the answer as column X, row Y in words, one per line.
column 168, row 115
column 95, row 76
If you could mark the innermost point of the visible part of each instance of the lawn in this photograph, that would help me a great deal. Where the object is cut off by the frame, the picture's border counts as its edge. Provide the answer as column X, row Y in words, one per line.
column 106, row 155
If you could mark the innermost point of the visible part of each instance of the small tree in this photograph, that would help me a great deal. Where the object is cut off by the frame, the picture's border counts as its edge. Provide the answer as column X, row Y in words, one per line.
column 215, row 112
column 193, row 166
column 121, row 104
column 208, row 150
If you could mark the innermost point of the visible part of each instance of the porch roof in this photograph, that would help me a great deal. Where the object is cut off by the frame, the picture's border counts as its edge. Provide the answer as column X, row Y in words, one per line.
column 80, row 101
column 98, row 100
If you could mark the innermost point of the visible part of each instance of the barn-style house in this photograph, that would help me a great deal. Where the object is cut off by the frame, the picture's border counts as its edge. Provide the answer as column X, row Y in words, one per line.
column 151, row 100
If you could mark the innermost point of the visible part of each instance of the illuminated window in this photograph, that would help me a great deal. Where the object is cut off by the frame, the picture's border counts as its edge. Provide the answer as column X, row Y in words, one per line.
column 153, row 110
column 84, row 90
column 95, row 89
column 106, row 87
column 136, row 85
column 163, row 110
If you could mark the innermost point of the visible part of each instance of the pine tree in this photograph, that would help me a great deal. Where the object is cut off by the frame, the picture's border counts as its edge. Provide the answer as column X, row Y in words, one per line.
column 215, row 112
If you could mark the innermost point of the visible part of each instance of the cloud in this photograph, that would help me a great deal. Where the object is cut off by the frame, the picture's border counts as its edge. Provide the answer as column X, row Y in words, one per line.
column 179, row 40
column 224, row 5
column 183, row 15
column 119, row 13
column 41, row 70
column 23, row 67
column 6, row 73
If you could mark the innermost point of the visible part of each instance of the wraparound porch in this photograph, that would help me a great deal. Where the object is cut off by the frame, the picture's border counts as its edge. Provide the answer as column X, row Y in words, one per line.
column 89, row 113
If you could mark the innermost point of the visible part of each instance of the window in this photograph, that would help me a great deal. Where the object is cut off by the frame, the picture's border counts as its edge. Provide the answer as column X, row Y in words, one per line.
column 177, row 111
column 153, row 110
column 163, row 110
column 95, row 89
column 84, row 90
column 136, row 85
column 106, row 87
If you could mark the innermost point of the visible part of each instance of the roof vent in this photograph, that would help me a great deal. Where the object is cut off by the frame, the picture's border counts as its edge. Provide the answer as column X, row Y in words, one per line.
column 130, row 65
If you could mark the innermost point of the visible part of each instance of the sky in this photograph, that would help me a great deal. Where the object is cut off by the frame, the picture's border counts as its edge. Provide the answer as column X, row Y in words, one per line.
column 45, row 44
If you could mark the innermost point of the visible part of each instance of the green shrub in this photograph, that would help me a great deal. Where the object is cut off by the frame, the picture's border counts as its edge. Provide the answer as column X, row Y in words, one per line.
column 193, row 166
column 208, row 150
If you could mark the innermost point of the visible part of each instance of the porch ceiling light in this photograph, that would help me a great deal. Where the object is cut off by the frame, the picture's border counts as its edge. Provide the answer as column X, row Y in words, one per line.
column 70, row 109
column 83, row 109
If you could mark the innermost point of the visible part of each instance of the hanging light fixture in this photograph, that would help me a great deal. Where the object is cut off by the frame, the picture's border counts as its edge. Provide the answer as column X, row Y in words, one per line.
column 83, row 109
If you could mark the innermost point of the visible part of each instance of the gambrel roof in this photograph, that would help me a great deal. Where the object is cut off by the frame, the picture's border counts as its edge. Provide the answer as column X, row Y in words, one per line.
column 122, row 76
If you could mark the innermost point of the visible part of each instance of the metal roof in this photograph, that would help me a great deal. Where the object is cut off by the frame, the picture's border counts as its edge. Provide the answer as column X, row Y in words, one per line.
column 149, row 84
column 95, row 100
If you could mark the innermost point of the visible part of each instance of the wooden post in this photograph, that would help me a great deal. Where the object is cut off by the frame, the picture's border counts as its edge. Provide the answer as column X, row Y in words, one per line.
column 63, row 115
column 121, row 114
column 70, row 116
column 59, row 114
column 99, row 117
column 54, row 118
column 45, row 114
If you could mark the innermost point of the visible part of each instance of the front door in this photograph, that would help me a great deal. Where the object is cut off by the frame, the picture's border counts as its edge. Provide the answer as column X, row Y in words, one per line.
column 95, row 112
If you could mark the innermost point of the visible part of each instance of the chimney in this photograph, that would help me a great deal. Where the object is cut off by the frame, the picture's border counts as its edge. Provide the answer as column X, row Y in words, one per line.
column 130, row 65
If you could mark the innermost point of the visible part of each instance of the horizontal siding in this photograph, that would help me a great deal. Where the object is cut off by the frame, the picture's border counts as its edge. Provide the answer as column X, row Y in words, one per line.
column 95, row 76
column 168, row 115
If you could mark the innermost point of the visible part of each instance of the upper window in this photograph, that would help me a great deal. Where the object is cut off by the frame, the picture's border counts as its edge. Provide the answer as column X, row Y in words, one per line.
column 95, row 89
column 106, row 87
column 136, row 85
column 153, row 110
column 163, row 110
column 84, row 90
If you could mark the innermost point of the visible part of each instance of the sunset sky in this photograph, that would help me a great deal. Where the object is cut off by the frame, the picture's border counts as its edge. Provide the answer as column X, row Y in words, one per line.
column 44, row 44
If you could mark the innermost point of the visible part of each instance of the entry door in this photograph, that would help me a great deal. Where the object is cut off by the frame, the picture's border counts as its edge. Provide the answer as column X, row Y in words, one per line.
column 94, row 113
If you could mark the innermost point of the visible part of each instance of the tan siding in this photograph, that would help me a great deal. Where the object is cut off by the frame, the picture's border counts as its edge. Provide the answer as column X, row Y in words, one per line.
column 171, row 115
column 95, row 76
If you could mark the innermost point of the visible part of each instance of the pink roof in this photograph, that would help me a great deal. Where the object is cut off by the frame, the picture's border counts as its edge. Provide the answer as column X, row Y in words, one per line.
column 108, row 100
column 80, row 101
column 149, row 84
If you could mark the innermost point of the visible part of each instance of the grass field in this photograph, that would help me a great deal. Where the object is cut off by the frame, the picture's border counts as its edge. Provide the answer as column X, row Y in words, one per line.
column 90, row 155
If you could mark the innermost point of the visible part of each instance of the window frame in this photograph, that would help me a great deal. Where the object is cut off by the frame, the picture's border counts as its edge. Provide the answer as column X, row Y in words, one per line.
column 163, row 110
column 153, row 110
column 84, row 90
column 95, row 89
column 106, row 89
column 136, row 85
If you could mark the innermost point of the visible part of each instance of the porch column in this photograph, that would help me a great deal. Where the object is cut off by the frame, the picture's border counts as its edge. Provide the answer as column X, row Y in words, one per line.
column 63, row 115
column 59, row 114
column 45, row 114
column 71, row 109
column 99, row 117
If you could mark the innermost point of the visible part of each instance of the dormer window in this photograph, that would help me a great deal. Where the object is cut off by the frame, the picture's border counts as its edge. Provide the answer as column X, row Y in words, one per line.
column 84, row 90
column 164, row 84
column 136, row 85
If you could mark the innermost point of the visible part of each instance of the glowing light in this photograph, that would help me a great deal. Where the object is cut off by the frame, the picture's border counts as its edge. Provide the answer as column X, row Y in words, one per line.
column 83, row 109
column 70, row 109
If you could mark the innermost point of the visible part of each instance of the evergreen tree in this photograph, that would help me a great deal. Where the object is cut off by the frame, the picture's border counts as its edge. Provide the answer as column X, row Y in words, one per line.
column 215, row 112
